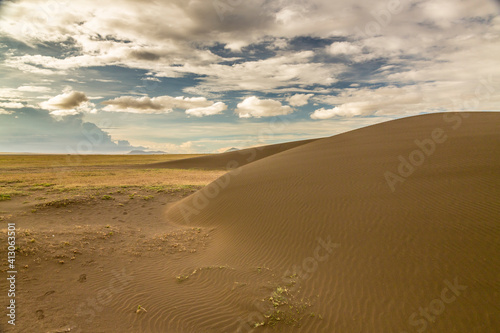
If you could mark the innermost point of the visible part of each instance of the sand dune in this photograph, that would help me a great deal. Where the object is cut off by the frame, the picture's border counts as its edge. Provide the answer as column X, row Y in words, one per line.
column 347, row 241
column 389, row 228
column 228, row 160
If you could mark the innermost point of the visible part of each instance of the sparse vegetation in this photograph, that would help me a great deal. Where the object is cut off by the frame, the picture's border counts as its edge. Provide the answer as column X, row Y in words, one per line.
column 284, row 309
column 4, row 197
column 57, row 203
column 181, row 278
column 184, row 277
column 140, row 308
column 44, row 185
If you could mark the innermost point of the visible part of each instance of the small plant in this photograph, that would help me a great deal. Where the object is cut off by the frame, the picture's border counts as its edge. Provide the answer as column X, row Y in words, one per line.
column 140, row 308
column 44, row 185
column 148, row 197
column 284, row 309
column 107, row 197
column 131, row 196
column 181, row 278
column 4, row 197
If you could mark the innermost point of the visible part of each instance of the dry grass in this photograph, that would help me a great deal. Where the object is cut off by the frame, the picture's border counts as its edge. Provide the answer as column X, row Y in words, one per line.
column 101, row 176
column 41, row 171
column 118, row 177
column 8, row 161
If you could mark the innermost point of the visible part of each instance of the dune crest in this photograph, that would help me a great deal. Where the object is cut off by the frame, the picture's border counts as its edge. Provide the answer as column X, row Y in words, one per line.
column 229, row 160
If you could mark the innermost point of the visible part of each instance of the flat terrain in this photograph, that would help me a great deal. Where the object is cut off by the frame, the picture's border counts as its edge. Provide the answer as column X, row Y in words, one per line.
column 86, row 217
column 389, row 228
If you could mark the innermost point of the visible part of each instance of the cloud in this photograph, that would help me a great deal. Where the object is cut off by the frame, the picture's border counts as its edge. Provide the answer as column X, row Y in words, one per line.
column 68, row 103
column 63, row 113
column 2, row 111
column 34, row 89
column 344, row 48
column 197, row 106
column 151, row 78
column 255, row 107
column 389, row 100
column 347, row 110
column 299, row 99
column 70, row 135
column 279, row 72
column 65, row 101
column 138, row 105
column 10, row 93
column 11, row 105
column 207, row 111
column 289, row 47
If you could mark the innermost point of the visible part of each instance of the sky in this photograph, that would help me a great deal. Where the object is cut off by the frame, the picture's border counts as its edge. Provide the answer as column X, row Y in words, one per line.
column 202, row 76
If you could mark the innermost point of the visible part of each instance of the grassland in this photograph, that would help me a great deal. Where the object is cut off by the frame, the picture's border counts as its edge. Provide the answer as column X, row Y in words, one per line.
column 28, row 180
column 63, row 171
column 8, row 161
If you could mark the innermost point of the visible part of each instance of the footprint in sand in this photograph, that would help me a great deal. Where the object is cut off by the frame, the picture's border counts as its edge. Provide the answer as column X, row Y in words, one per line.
column 39, row 314
column 82, row 278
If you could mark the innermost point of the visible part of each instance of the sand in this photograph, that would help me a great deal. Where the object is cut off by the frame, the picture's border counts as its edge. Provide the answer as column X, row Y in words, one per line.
column 341, row 234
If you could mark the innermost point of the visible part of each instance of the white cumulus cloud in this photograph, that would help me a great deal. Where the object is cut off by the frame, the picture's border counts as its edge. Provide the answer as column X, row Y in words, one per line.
column 216, row 108
column 299, row 99
column 344, row 48
column 33, row 89
column 255, row 107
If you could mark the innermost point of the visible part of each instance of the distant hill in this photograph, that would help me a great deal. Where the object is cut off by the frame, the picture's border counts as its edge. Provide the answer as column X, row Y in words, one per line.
column 142, row 152
column 231, row 149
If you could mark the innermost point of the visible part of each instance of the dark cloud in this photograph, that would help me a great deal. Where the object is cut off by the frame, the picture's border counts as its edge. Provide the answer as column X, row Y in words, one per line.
column 144, row 55
column 66, row 101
